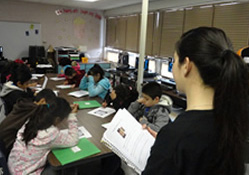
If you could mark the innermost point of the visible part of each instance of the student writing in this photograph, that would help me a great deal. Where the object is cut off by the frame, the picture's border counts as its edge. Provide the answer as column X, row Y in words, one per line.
column 208, row 138
column 95, row 82
column 40, row 134
column 153, row 108
column 73, row 77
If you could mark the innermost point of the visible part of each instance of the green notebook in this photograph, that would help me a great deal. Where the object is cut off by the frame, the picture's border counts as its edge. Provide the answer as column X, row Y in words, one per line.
column 83, row 149
column 87, row 104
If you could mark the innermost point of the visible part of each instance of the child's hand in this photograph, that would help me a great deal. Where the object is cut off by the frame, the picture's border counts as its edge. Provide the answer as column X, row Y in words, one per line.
column 140, row 100
column 104, row 104
column 75, row 108
column 73, row 86
column 65, row 82
column 152, row 132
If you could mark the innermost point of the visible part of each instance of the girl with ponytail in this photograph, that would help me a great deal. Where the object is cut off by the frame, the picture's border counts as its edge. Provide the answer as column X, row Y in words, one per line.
column 40, row 134
column 209, row 137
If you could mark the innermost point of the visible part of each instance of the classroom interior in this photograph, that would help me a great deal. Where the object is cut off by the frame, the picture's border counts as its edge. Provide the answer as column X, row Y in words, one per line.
column 103, row 33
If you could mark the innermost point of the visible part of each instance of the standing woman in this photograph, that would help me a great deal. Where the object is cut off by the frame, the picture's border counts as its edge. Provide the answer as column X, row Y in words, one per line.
column 208, row 138
column 95, row 82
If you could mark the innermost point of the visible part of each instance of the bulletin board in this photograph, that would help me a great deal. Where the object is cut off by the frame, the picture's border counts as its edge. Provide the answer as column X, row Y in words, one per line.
column 16, row 37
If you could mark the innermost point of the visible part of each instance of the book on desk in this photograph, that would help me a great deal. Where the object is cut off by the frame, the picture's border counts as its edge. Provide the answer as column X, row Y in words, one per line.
column 82, row 150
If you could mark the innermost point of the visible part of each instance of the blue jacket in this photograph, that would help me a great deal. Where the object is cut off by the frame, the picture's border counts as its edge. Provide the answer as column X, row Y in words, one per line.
column 99, row 89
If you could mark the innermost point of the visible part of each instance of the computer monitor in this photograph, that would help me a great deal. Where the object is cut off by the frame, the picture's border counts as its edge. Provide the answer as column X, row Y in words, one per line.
column 146, row 64
column 132, row 60
column 112, row 56
column 1, row 51
column 166, row 69
column 152, row 65
column 123, row 58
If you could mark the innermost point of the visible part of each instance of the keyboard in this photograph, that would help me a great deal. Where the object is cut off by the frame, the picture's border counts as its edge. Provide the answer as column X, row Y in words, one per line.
column 168, row 81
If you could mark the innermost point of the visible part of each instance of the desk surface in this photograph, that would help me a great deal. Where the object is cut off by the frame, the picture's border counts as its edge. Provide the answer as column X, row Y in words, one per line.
column 91, row 123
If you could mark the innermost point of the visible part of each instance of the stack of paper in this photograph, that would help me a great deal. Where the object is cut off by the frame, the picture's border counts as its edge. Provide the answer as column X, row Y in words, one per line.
column 57, row 78
column 64, row 86
column 78, row 94
column 102, row 112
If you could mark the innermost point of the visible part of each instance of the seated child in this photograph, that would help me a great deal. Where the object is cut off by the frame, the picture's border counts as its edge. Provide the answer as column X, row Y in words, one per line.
column 95, row 82
column 73, row 77
column 153, row 108
column 121, row 97
column 39, row 135
column 19, row 115
column 65, row 63
column 16, row 87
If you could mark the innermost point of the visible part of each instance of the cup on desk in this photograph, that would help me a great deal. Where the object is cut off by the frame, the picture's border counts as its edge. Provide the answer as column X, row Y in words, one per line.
column 84, row 59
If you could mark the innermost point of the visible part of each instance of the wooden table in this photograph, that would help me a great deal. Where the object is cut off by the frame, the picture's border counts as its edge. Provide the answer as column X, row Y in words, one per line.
column 91, row 123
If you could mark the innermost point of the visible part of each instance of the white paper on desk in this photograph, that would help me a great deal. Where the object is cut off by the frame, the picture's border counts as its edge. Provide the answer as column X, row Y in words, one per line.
column 37, row 75
column 44, row 66
column 126, row 138
column 57, row 78
column 45, row 82
column 64, row 86
column 102, row 112
column 79, row 93
column 83, row 132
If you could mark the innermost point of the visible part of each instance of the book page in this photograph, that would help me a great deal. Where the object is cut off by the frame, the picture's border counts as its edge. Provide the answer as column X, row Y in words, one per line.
column 126, row 135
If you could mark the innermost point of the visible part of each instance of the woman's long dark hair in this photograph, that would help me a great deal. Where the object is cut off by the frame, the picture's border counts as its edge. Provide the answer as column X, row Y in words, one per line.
column 44, row 116
column 223, row 70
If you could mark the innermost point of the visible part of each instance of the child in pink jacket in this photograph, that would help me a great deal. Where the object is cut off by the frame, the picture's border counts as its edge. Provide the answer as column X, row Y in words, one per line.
column 40, row 134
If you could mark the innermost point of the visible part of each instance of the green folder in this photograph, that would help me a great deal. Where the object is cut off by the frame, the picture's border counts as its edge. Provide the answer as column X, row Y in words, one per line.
column 87, row 104
column 67, row 155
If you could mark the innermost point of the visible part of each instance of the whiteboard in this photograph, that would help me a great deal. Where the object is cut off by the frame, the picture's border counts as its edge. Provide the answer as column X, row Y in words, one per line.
column 16, row 37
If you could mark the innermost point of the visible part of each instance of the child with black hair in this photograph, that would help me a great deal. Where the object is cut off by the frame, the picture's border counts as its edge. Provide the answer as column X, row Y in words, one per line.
column 95, row 82
column 73, row 77
column 152, row 109
column 20, row 114
column 40, row 134
column 65, row 63
column 16, row 87
column 121, row 97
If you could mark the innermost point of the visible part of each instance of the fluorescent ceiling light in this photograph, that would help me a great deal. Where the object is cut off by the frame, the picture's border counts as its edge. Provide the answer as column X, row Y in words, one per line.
column 87, row 0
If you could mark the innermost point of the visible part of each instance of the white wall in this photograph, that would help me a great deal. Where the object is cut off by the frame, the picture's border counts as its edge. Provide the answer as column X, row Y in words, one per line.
column 67, row 29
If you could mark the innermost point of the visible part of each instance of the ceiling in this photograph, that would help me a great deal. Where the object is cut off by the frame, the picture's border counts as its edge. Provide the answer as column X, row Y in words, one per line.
column 110, row 4
column 98, row 5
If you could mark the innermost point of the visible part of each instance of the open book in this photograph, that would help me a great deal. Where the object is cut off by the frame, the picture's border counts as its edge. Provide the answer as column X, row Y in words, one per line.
column 125, row 137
